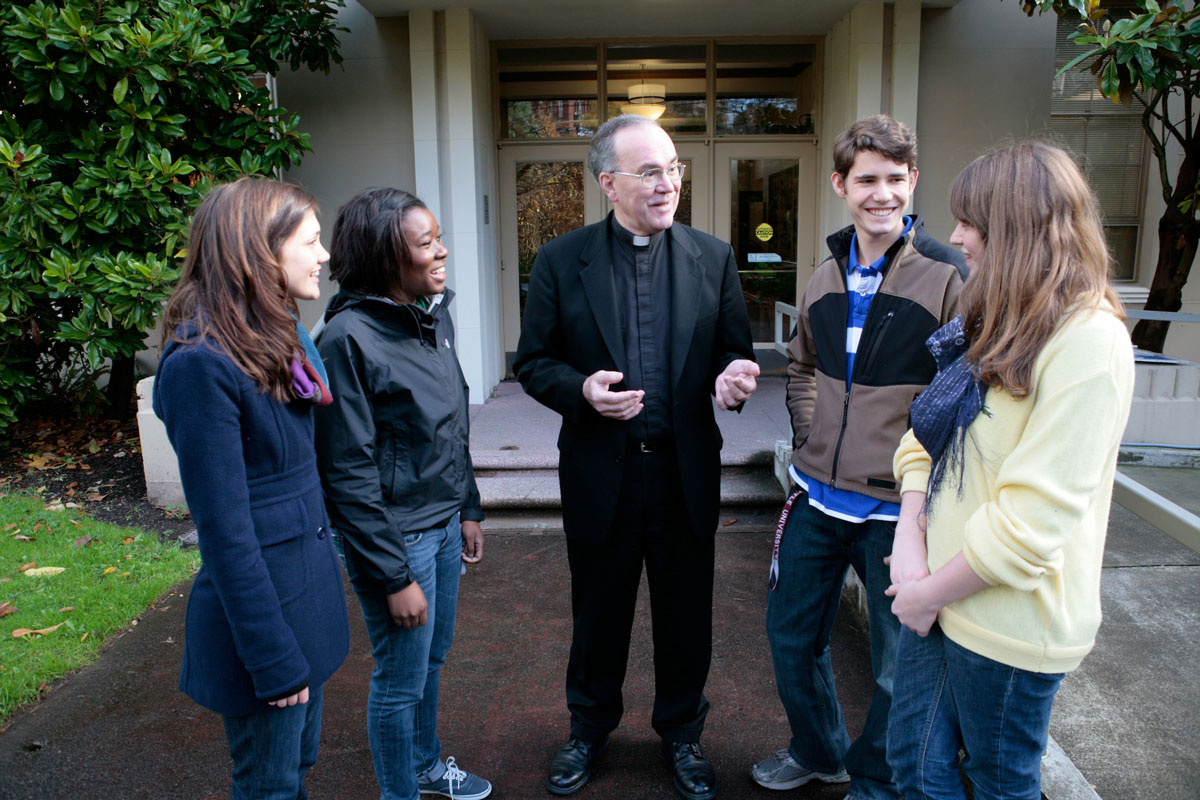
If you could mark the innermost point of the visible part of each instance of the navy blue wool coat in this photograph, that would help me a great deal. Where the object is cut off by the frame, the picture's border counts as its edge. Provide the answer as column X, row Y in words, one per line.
column 267, row 614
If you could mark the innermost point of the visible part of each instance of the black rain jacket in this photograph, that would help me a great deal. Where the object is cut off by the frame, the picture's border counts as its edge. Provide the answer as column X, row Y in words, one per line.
column 392, row 448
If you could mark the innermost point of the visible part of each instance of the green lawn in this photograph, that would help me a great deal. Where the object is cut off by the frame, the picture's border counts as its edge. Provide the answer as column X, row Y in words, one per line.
column 109, row 576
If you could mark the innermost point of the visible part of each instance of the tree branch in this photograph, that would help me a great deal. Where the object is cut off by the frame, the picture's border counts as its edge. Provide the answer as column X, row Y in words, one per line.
column 1158, row 146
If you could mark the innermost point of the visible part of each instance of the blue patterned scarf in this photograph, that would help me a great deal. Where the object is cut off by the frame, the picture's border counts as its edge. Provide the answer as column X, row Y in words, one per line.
column 942, row 413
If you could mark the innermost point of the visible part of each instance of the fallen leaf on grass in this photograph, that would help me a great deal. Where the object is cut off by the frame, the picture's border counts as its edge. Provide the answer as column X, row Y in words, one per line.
column 40, row 461
column 41, row 526
column 10, row 526
column 44, row 572
column 7, row 608
column 55, row 507
column 81, row 638
column 21, row 538
column 83, row 541
column 109, row 570
column 127, row 540
column 24, row 567
column 66, row 609
column 94, row 497
column 93, row 447
column 21, row 633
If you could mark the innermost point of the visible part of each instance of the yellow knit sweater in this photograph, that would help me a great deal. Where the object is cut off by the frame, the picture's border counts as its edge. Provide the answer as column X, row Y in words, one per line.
column 1037, row 484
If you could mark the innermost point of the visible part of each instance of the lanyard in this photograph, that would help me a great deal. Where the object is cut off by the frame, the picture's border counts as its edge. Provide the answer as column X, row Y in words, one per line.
column 773, row 577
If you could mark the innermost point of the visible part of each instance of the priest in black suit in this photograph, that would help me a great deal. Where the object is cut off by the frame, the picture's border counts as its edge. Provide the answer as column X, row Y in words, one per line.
column 630, row 325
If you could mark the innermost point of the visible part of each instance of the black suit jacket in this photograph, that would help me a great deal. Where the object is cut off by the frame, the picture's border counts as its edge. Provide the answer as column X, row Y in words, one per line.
column 570, row 330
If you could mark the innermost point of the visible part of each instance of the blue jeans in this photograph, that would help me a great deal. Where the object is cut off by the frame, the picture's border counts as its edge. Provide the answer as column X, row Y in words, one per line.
column 402, row 706
column 813, row 556
column 948, row 698
column 273, row 749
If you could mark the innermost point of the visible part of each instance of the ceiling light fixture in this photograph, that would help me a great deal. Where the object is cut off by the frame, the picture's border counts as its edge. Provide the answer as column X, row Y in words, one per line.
column 646, row 99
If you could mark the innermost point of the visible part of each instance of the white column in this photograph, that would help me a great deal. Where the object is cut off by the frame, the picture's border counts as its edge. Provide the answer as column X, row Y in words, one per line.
column 853, row 90
column 463, row 186
column 422, row 46
column 906, row 61
column 866, row 58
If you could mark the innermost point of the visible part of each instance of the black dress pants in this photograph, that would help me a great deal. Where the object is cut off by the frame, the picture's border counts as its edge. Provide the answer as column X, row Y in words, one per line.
column 651, row 527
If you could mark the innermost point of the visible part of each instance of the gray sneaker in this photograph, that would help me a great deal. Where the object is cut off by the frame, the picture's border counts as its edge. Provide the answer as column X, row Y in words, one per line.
column 456, row 784
column 781, row 771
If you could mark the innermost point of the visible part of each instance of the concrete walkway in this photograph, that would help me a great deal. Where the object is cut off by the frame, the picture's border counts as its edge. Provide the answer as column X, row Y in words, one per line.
column 1127, row 722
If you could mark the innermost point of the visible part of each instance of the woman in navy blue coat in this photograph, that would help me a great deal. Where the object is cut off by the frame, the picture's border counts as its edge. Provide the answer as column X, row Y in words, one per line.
column 236, row 387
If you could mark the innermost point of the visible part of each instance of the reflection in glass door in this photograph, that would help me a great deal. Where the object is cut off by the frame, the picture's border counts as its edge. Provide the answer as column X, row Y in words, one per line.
column 545, row 192
column 767, row 190
column 549, row 204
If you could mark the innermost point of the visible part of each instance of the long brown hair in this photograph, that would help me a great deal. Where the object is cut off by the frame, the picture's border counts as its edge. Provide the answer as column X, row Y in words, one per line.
column 1044, row 258
column 232, row 289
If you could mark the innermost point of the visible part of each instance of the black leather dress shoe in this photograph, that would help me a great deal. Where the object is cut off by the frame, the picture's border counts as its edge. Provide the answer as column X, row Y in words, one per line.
column 572, row 765
column 694, row 776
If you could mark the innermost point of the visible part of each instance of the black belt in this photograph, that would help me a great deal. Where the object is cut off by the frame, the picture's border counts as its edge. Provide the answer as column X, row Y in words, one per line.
column 651, row 445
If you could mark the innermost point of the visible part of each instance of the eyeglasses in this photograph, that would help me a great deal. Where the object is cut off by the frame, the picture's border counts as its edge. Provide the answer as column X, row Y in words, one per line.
column 651, row 177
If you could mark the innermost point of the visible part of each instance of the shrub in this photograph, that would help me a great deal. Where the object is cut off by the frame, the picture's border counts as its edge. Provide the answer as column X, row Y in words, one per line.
column 115, row 117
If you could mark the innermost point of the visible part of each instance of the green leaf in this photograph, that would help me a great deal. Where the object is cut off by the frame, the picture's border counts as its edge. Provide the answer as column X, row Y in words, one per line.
column 1109, row 80
column 1077, row 60
column 120, row 90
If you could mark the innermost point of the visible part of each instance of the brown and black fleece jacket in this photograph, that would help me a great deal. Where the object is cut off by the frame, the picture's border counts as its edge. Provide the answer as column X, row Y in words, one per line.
column 845, row 428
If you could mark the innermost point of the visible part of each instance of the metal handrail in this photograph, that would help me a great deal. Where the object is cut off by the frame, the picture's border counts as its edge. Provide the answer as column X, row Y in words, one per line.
column 1163, row 316
column 1171, row 518
column 791, row 312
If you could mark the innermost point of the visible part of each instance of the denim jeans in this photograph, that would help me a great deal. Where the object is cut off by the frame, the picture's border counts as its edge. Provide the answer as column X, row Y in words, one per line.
column 947, row 698
column 273, row 749
column 813, row 556
column 402, row 706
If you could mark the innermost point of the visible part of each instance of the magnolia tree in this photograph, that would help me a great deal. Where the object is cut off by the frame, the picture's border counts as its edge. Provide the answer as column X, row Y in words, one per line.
column 114, row 119
column 1151, row 57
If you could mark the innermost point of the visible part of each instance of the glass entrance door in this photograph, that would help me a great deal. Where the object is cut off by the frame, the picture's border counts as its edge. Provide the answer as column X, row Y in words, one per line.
column 764, row 197
column 545, row 191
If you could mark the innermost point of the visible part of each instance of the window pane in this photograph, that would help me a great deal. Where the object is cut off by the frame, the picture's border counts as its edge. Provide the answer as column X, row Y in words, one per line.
column 765, row 88
column 1107, row 142
column 763, row 226
column 1122, row 243
column 548, row 92
column 678, row 70
column 549, row 204
column 548, row 119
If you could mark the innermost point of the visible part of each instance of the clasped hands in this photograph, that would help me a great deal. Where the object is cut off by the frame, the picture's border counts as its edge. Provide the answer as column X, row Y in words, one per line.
column 732, row 388
column 908, row 567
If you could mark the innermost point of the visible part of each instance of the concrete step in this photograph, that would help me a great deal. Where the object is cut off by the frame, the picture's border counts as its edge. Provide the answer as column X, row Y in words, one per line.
column 537, row 489
column 733, row 519
column 536, row 458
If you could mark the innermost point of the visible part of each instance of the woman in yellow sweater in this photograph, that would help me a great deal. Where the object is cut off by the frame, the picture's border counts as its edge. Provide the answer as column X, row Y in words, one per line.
column 1010, row 461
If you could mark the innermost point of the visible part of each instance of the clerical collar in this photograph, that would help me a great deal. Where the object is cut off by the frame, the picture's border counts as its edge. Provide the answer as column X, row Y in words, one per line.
column 630, row 239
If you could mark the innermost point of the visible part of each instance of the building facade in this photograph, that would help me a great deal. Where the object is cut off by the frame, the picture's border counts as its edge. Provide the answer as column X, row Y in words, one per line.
column 485, row 112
